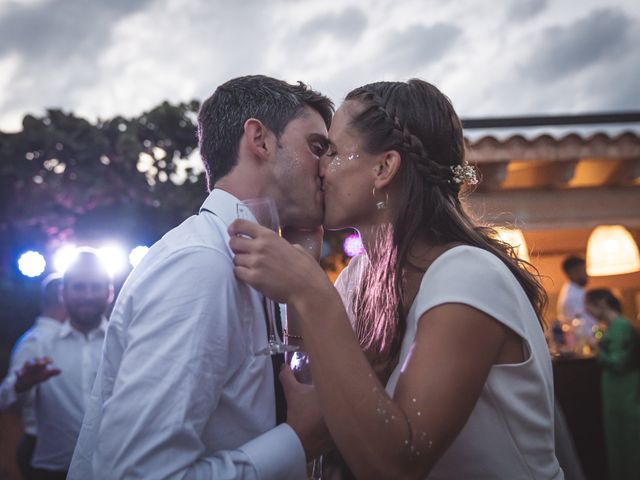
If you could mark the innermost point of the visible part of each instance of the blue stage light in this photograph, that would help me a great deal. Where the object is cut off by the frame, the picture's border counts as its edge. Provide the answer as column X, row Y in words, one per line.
column 31, row 264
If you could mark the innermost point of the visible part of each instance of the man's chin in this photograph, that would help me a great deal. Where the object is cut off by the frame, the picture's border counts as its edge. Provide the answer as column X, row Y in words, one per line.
column 87, row 321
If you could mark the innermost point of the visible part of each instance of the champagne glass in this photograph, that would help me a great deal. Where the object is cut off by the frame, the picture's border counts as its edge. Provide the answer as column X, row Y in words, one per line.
column 299, row 363
column 263, row 212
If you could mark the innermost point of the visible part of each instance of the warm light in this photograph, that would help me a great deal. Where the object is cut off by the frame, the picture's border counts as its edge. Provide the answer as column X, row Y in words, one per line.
column 31, row 264
column 515, row 238
column 64, row 257
column 611, row 250
column 113, row 258
column 352, row 245
column 136, row 255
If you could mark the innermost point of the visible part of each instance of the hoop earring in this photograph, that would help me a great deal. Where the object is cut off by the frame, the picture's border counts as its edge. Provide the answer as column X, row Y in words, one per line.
column 382, row 204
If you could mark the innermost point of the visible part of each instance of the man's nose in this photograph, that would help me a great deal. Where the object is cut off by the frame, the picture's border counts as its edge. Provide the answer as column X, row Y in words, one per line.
column 322, row 165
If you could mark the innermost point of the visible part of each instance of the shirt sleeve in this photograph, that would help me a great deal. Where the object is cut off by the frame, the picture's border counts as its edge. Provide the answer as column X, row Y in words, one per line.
column 183, row 345
column 479, row 279
column 26, row 349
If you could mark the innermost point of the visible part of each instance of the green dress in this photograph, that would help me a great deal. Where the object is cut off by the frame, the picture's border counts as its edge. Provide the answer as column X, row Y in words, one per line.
column 619, row 357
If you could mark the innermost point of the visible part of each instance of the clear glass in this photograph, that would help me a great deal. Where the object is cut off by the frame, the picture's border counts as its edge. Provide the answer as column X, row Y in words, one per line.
column 263, row 211
column 299, row 363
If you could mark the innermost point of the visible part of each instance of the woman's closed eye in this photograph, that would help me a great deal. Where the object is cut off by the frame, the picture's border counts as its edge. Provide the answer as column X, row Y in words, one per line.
column 331, row 152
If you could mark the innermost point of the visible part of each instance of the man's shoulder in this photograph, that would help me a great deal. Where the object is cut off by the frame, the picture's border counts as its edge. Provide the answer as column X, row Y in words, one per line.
column 205, row 231
column 32, row 339
column 190, row 253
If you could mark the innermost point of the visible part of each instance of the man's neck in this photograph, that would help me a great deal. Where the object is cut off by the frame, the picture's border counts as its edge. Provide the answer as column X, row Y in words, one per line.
column 84, row 329
column 241, row 184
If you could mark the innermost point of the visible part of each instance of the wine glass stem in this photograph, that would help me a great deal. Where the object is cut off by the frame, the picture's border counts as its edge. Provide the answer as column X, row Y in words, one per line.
column 274, row 338
column 316, row 469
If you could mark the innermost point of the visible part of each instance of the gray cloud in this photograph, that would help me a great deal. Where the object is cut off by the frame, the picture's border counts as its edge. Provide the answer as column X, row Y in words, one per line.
column 347, row 25
column 418, row 45
column 522, row 10
column 108, row 57
column 601, row 36
column 122, row 63
column 58, row 29
column 57, row 44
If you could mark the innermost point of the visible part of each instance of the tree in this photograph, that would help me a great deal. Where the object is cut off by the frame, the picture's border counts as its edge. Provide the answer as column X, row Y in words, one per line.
column 63, row 178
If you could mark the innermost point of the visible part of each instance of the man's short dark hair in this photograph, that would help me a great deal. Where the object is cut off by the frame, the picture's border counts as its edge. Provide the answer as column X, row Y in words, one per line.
column 572, row 262
column 222, row 116
column 86, row 258
column 598, row 294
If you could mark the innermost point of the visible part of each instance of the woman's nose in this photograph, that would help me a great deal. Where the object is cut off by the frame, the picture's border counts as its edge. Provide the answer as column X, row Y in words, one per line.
column 322, row 165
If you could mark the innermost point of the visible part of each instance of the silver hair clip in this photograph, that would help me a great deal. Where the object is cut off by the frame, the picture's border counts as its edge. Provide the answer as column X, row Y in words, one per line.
column 464, row 173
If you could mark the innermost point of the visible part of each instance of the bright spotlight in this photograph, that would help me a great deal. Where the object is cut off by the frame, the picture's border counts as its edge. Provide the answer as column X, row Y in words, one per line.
column 31, row 264
column 113, row 258
column 136, row 255
column 352, row 245
column 64, row 257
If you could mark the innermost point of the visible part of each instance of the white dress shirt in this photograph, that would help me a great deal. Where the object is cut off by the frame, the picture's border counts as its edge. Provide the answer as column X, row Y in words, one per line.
column 60, row 401
column 180, row 393
column 26, row 348
column 571, row 304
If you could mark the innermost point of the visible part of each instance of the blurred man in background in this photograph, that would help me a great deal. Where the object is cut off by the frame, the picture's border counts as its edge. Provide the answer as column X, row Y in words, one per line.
column 57, row 380
column 571, row 298
column 53, row 314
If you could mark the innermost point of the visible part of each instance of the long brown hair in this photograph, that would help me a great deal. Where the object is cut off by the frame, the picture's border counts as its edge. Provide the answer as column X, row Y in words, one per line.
column 419, row 122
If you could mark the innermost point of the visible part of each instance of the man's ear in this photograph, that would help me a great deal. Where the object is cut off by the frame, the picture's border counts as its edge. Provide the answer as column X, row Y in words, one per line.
column 257, row 138
column 387, row 168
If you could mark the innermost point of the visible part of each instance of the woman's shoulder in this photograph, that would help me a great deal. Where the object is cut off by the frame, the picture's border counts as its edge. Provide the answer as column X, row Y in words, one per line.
column 467, row 263
column 470, row 275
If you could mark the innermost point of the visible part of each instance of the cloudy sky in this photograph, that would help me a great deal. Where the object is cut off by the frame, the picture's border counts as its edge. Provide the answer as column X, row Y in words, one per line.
column 100, row 58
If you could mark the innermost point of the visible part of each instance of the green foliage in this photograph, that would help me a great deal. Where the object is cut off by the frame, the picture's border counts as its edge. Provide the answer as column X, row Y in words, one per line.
column 64, row 178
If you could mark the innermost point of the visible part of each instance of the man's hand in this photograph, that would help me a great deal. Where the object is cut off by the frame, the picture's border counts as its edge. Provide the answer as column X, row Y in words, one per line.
column 310, row 240
column 304, row 415
column 33, row 372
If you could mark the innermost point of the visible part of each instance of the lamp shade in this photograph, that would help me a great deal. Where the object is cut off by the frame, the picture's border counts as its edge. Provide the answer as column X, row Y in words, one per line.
column 515, row 238
column 611, row 250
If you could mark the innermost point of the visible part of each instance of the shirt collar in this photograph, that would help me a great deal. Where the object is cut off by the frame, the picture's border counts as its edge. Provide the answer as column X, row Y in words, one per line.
column 44, row 320
column 222, row 204
column 67, row 329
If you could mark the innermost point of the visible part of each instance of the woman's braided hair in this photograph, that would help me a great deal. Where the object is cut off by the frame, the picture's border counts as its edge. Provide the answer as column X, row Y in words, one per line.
column 418, row 121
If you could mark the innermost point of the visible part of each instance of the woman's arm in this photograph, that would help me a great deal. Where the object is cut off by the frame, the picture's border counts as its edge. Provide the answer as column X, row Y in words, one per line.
column 380, row 437
column 403, row 436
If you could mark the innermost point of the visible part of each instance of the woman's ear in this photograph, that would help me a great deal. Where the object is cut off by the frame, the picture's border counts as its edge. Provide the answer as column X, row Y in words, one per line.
column 387, row 168
column 256, row 138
